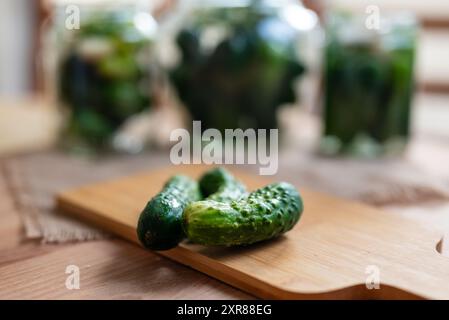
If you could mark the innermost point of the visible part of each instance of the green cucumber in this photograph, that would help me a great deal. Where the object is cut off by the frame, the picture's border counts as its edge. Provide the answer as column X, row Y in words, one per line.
column 266, row 213
column 160, row 223
column 219, row 185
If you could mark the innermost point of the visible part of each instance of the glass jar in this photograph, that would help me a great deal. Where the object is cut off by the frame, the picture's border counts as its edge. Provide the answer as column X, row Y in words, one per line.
column 104, row 68
column 368, row 84
column 232, row 63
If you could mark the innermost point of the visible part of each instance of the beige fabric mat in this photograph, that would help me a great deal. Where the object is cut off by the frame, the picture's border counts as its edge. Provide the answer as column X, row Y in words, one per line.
column 36, row 178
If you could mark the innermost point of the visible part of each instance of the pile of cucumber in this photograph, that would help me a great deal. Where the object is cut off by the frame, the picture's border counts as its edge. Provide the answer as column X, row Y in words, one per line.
column 217, row 211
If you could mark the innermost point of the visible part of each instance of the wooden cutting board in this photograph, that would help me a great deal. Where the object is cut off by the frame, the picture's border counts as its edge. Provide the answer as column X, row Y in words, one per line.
column 331, row 253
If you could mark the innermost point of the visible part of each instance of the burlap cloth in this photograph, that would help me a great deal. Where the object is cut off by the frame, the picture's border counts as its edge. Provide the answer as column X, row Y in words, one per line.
column 394, row 185
column 36, row 179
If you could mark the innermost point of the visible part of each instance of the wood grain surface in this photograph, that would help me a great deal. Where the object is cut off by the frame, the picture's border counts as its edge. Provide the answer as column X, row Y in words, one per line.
column 326, row 255
column 23, row 261
column 110, row 269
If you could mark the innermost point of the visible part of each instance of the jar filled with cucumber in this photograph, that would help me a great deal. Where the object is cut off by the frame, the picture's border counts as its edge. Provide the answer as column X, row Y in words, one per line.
column 104, row 69
column 369, row 69
column 234, row 63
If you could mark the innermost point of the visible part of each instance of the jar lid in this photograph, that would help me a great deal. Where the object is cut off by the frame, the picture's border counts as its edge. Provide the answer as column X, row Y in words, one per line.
column 148, row 4
column 238, row 3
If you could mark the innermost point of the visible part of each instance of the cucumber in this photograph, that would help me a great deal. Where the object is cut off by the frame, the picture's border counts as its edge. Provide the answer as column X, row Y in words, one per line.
column 219, row 185
column 160, row 223
column 266, row 213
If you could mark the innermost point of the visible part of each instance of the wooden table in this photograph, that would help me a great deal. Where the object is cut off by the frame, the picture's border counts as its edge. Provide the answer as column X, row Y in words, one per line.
column 110, row 269
column 115, row 269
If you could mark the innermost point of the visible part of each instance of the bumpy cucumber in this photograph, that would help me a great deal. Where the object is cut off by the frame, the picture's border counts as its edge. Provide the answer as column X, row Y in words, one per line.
column 160, row 223
column 264, row 214
column 219, row 185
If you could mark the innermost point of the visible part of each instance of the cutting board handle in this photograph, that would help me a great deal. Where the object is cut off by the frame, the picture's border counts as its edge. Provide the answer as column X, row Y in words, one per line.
column 430, row 280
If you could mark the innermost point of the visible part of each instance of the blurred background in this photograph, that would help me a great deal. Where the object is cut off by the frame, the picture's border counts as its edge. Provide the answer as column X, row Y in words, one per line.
column 50, row 78
column 358, row 89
